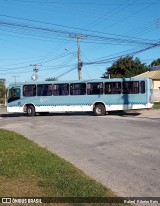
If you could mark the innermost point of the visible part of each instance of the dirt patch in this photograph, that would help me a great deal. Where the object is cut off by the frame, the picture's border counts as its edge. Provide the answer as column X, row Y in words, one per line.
column 20, row 188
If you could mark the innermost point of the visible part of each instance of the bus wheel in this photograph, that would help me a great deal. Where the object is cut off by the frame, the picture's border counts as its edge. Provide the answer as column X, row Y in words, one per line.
column 99, row 110
column 31, row 110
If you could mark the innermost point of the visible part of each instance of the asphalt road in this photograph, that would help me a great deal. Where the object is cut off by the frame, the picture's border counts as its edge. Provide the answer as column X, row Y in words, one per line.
column 120, row 151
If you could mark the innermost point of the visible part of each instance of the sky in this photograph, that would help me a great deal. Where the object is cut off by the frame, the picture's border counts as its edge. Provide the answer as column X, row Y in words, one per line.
column 45, row 32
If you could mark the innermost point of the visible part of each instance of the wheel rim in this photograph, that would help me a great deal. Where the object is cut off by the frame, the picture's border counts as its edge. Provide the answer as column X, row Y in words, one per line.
column 98, row 110
column 29, row 111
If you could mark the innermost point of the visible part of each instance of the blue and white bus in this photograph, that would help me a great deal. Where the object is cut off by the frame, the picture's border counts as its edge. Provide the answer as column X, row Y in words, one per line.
column 100, row 96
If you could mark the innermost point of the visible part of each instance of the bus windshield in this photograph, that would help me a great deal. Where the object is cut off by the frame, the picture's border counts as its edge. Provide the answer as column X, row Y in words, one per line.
column 13, row 94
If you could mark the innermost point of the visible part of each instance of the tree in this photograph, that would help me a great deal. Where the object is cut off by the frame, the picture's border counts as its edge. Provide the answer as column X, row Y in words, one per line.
column 125, row 67
column 155, row 63
column 51, row 79
column 2, row 81
column 2, row 90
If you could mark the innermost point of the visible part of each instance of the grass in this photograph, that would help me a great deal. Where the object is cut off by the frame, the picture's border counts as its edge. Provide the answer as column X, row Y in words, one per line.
column 156, row 105
column 28, row 170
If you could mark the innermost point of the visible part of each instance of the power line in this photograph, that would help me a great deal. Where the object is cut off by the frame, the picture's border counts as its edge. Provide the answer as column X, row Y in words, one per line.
column 68, row 71
column 76, row 28
column 131, row 15
column 69, row 33
column 92, row 38
column 82, row 3
column 129, row 54
column 108, row 15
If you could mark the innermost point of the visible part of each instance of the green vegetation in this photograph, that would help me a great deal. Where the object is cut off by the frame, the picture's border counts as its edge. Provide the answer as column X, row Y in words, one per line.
column 51, row 79
column 156, row 105
column 2, row 100
column 156, row 62
column 28, row 170
column 128, row 67
column 2, row 91
column 125, row 67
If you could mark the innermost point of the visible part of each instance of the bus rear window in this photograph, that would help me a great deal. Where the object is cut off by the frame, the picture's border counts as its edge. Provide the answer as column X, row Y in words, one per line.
column 29, row 90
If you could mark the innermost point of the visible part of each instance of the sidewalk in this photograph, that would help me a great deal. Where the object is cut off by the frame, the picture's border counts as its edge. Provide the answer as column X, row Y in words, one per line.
column 150, row 113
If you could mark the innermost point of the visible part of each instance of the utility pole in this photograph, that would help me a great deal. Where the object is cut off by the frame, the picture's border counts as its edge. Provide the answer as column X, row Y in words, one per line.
column 157, row 23
column 35, row 69
column 15, row 79
column 80, row 64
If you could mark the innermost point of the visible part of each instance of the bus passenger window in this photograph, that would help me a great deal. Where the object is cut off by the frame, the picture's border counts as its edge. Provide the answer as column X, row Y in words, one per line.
column 135, row 87
column 44, row 90
column 131, row 87
column 61, row 89
column 126, row 87
column 142, row 87
column 78, row 89
column 29, row 90
column 94, row 88
column 113, row 88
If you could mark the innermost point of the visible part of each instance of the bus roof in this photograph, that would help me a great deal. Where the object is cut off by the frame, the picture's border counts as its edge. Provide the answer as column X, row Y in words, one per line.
column 78, row 81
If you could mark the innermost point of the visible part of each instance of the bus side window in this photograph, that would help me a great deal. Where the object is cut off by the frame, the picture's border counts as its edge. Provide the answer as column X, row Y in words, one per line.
column 113, row 88
column 61, row 89
column 29, row 90
column 94, row 88
column 135, row 87
column 142, row 86
column 131, row 87
column 78, row 89
column 126, row 87
column 44, row 89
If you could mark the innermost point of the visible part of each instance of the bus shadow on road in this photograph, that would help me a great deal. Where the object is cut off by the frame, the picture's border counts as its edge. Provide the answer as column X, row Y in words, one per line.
column 113, row 113
column 13, row 115
column 125, row 113
column 70, row 114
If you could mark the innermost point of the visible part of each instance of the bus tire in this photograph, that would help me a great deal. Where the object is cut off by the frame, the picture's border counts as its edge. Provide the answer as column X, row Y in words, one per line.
column 31, row 110
column 99, row 110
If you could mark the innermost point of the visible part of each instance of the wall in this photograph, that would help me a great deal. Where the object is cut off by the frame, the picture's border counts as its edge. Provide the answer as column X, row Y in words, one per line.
column 156, row 84
column 156, row 95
